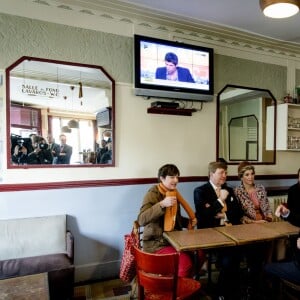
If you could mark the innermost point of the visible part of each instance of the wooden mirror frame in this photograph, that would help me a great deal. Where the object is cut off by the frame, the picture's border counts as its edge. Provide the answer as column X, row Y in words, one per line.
column 94, row 68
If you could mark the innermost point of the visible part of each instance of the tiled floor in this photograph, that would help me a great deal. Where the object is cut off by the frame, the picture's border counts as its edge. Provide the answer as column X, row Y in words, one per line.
column 111, row 289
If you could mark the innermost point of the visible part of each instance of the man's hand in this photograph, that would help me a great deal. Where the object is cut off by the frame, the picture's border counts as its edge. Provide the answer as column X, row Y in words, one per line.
column 281, row 210
column 223, row 195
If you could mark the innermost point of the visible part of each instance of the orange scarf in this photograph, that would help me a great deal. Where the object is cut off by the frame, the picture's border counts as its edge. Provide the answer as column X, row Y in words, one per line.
column 170, row 214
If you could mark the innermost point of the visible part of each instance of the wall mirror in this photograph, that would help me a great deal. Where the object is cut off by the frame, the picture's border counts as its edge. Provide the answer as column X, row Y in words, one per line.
column 246, row 125
column 59, row 114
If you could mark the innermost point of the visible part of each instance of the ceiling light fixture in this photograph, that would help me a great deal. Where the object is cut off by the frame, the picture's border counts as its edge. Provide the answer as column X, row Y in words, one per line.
column 279, row 8
column 66, row 129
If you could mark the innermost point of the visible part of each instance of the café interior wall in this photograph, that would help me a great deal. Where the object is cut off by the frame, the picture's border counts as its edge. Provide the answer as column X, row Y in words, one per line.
column 189, row 142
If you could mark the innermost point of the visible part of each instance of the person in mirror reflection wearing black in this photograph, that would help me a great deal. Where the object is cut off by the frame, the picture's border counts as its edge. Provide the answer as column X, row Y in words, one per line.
column 171, row 71
column 104, row 155
column 101, row 150
column 19, row 155
column 216, row 205
column 54, row 148
column 41, row 153
column 65, row 152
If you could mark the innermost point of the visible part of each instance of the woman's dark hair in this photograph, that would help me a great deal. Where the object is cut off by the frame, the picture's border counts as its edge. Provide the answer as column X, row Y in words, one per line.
column 168, row 170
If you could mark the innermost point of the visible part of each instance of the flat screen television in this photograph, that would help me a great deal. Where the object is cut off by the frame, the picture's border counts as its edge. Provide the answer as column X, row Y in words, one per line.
column 156, row 59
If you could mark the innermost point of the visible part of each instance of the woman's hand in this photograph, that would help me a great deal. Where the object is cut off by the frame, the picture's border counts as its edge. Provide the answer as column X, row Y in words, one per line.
column 194, row 222
column 260, row 221
column 168, row 201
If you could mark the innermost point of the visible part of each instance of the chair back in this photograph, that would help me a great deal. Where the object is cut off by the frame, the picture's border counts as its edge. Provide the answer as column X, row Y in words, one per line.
column 156, row 274
column 138, row 232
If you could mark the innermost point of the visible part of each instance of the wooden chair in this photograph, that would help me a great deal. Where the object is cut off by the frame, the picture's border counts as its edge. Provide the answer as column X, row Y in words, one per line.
column 138, row 232
column 157, row 278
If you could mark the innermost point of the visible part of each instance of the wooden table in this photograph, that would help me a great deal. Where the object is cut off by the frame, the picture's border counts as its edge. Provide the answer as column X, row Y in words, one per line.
column 30, row 287
column 188, row 240
column 284, row 228
column 205, row 239
column 250, row 233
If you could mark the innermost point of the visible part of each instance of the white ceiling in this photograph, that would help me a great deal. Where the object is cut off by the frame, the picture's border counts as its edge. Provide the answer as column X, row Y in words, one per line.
column 244, row 15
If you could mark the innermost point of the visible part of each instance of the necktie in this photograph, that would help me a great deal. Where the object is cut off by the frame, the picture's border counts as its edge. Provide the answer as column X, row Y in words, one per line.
column 218, row 192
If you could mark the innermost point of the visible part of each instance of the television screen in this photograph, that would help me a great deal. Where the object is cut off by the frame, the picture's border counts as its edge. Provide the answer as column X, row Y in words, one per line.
column 168, row 69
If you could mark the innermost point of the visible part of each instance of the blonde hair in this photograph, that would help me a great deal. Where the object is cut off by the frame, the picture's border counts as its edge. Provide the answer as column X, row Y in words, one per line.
column 243, row 167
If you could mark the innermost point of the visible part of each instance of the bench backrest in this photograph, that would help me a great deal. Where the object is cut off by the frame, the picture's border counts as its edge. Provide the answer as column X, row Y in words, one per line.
column 34, row 236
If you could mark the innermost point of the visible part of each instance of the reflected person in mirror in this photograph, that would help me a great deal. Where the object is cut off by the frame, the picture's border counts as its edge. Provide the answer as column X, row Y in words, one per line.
column 41, row 153
column 54, row 148
column 171, row 71
column 65, row 152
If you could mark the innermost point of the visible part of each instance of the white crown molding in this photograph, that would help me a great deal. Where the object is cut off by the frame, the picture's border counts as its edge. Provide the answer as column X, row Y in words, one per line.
column 136, row 20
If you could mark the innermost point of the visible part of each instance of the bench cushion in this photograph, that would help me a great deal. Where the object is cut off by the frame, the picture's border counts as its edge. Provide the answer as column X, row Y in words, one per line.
column 32, row 265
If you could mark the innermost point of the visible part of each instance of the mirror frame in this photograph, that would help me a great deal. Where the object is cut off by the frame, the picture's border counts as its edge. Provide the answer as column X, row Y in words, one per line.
column 218, row 157
column 8, row 111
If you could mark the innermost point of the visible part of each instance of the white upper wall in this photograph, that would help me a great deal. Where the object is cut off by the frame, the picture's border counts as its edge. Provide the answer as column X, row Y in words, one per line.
column 143, row 141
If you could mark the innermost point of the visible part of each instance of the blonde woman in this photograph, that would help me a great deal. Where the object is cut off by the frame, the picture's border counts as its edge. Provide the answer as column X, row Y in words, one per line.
column 256, row 207
column 252, row 196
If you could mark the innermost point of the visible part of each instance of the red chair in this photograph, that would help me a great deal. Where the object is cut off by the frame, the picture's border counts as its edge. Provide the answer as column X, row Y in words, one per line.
column 157, row 278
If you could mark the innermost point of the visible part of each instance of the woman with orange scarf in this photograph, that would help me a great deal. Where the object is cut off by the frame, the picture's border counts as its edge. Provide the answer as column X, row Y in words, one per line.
column 160, row 211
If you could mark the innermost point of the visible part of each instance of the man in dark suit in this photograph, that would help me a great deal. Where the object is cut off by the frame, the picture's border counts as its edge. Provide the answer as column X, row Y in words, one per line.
column 216, row 205
column 54, row 148
column 65, row 153
column 172, row 72
column 291, row 213
column 215, row 202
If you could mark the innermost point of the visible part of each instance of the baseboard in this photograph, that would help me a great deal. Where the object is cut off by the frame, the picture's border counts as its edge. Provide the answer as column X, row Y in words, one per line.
column 96, row 271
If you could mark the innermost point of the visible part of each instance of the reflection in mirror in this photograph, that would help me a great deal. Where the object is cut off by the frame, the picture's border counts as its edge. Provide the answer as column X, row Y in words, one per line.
column 246, row 124
column 243, row 131
column 59, row 114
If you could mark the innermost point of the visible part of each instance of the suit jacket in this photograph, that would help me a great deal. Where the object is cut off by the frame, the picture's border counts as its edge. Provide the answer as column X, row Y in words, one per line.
column 293, row 203
column 207, row 206
column 64, row 159
column 183, row 74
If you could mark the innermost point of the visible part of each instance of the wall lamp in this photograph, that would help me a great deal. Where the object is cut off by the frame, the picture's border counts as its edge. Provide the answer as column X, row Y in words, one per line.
column 279, row 8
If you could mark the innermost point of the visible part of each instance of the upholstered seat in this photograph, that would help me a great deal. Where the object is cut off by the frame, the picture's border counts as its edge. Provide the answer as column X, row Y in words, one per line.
column 157, row 278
